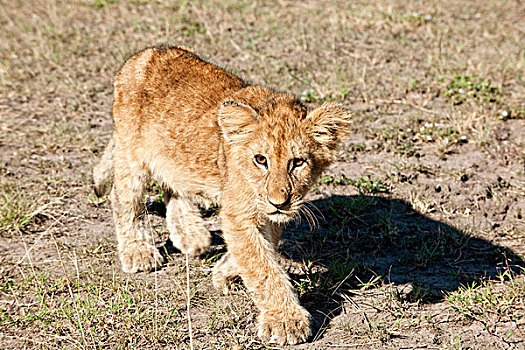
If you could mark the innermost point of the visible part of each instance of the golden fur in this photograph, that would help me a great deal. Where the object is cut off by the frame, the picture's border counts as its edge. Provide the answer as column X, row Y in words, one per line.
column 207, row 136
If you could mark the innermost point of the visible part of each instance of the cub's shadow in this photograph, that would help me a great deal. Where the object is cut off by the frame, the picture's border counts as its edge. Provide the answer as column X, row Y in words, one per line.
column 362, row 240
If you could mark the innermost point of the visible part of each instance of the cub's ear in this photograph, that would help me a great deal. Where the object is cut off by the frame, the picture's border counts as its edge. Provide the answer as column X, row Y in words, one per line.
column 236, row 121
column 329, row 124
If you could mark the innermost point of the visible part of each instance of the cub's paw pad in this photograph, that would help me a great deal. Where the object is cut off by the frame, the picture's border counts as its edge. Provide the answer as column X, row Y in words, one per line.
column 194, row 240
column 140, row 256
column 291, row 328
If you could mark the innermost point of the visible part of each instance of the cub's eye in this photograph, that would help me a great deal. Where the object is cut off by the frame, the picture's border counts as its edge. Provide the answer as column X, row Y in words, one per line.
column 261, row 161
column 298, row 163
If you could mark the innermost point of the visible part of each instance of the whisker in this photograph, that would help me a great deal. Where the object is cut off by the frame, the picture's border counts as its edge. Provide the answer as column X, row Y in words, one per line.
column 316, row 209
column 301, row 213
column 309, row 217
column 298, row 218
column 303, row 210
column 315, row 221
column 313, row 217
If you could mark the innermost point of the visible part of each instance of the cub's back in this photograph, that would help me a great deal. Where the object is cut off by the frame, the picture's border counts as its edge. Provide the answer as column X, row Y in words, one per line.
column 170, row 82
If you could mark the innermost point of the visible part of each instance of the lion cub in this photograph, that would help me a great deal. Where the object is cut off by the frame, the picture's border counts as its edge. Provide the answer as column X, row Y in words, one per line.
column 206, row 136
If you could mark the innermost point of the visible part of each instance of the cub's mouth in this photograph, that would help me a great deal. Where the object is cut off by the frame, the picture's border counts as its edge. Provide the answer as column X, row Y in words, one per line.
column 281, row 215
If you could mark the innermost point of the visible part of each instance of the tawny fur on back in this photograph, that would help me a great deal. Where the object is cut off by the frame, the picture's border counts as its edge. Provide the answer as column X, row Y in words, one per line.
column 207, row 136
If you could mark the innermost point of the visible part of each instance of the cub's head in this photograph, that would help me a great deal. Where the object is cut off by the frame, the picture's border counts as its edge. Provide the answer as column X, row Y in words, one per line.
column 279, row 149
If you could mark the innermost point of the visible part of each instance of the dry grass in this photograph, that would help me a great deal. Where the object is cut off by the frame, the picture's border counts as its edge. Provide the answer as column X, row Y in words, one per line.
column 420, row 235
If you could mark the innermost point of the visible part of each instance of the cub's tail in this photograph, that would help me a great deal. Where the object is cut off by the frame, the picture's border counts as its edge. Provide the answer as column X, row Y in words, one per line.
column 103, row 171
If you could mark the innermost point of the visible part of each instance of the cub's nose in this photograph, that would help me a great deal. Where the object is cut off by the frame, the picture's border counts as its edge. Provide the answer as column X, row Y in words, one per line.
column 281, row 203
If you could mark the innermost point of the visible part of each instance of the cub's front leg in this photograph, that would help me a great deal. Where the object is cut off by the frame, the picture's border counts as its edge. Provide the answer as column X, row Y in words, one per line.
column 226, row 269
column 282, row 319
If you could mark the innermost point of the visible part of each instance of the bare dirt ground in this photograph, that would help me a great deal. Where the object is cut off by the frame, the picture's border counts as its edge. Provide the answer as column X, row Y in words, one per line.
column 419, row 238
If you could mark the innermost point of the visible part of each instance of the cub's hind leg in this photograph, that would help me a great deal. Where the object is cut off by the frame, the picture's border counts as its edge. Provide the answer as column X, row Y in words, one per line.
column 186, row 227
column 136, row 247
column 224, row 271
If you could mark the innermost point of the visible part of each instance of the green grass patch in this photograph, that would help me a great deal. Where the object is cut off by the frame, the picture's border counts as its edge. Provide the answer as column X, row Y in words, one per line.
column 366, row 184
column 17, row 209
column 491, row 300
column 370, row 184
column 93, row 308
column 464, row 88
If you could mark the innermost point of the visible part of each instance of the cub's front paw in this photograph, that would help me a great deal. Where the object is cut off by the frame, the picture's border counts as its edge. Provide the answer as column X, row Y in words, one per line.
column 139, row 256
column 194, row 240
column 285, row 328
